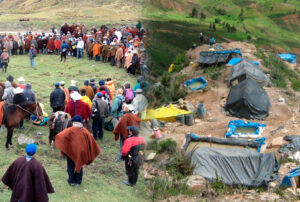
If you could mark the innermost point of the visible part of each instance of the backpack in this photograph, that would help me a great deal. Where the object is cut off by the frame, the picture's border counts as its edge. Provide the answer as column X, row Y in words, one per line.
column 129, row 95
column 109, row 125
column 120, row 108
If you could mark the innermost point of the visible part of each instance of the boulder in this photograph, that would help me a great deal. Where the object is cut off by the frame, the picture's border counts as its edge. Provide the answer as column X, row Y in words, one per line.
column 196, row 183
column 277, row 142
column 150, row 156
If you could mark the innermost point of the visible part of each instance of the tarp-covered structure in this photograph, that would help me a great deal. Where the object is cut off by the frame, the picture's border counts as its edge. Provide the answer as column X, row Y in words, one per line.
column 291, row 147
column 208, row 58
column 167, row 114
column 246, row 69
column 288, row 57
column 235, row 166
column 248, row 100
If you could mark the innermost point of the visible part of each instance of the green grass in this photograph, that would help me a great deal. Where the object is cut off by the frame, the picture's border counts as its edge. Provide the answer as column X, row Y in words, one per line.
column 102, row 181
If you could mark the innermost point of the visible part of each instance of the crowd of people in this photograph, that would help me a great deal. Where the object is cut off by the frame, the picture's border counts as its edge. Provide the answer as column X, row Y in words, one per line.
column 124, row 46
column 89, row 104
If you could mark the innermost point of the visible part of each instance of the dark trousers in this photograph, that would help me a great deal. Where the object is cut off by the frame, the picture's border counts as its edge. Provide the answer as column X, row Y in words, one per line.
column 112, row 60
column 63, row 55
column 104, row 58
column 132, row 169
column 4, row 66
column 55, row 109
column 98, row 125
column 74, row 178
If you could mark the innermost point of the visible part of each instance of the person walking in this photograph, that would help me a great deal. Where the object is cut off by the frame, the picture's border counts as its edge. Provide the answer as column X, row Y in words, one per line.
column 57, row 99
column 32, row 55
column 100, row 111
column 27, row 178
column 4, row 60
column 130, row 153
column 79, row 147
column 63, row 51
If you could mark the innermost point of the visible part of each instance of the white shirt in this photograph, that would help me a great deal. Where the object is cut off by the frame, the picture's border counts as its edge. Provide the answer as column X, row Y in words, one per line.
column 80, row 44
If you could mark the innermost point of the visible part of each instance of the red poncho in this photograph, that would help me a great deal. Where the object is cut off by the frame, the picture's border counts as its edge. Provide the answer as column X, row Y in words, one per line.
column 127, row 119
column 79, row 145
column 78, row 108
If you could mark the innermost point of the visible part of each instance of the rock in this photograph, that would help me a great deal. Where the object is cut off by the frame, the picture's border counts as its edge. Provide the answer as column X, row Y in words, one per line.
column 190, row 107
column 150, row 156
column 281, row 100
column 196, row 183
column 266, row 196
column 148, row 176
column 290, row 191
column 277, row 142
column 22, row 139
column 296, row 156
column 272, row 185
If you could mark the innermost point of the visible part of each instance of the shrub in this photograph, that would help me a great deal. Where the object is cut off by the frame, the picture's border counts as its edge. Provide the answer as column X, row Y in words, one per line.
column 218, row 186
column 194, row 13
column 180, row 167
column 168, row 146
column 217, row 20
column 203, row 16
column 180, row 62
column 153, row 145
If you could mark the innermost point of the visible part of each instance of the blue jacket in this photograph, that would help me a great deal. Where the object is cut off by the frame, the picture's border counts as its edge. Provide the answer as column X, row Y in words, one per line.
column 64, row 46
column 115, row 106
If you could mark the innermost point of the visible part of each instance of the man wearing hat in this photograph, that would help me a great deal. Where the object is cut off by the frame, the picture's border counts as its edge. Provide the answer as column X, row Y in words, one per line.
column 29, row 94
column 88, row 89
column 73, row 87
column 93, row 85
column 21, row 81
column 80, row 148
column 4, row 60
column 27, row 178
column 78, row 107
column 67, row 94
column 128, row 119
column 130, row 153
column 140, row 102
column 19, row 99
column 57, row 99
column 100, row 111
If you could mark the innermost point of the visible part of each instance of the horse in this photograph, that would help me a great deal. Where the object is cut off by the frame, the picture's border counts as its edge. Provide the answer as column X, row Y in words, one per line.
column 58, row 121
column 15, row 113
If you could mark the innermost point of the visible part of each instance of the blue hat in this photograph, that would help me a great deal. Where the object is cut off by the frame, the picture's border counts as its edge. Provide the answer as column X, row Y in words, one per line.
column 86, row 82
column 101, row 82
column 77, row 118
column 31, row 148
column 134, row 130
column 56, row 84
column 99, row 94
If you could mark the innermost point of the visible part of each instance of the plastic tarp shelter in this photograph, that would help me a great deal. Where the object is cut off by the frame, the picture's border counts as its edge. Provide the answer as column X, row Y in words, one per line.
column 256, row 144
column 196, row 80
column 235, row 61
column 167, row 114
column 233, row 125
column 291, row 147
column 217, row 57
column 248, row 100
column 235, row 166
column 288, row 57
column 287, row 181
column 246, row 69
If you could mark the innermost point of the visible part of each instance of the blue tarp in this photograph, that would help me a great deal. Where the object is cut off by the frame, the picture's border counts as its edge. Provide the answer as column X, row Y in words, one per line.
column 236, row 51
column 234, row 124
column 288, row 57
column 286, row 181
column 235, row 61
column 194, row 80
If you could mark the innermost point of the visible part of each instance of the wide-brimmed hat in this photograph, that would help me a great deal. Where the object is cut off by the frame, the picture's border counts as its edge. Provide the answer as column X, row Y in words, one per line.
column 75, row 96
column 21, row 79
column 130, row 107
column 18, row 90
column 62, row 83
column 73, row 83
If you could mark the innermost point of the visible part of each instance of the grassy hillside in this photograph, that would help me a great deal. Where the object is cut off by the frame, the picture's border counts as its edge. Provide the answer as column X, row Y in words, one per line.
column 102, row 181
column 43, row 14
column 267, row 23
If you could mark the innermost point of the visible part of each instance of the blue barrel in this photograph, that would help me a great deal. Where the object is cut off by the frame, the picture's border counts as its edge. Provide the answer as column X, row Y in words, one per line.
column 201, row 112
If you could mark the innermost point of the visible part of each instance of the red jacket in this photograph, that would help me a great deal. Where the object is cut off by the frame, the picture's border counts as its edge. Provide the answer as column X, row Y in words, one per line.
column 130, row 143
column 78, row 108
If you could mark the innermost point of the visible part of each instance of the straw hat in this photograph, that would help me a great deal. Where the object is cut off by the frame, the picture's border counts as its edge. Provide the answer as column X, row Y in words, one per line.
column 21, row 79
column 75, row 96
column 155, row 128
column 18, row 90
column 73, row 83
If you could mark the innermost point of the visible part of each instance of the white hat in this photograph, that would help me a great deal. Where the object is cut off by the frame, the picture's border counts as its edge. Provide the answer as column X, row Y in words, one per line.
column 21, row 79
column 75, row 96
column 134, row 52
column 139, row 90
column 18, row 90
column 130, row 107
column 73, row 83
column 62, row 83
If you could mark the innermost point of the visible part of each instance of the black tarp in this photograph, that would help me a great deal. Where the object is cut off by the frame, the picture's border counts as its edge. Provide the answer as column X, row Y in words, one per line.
column 235, row 166
column 291, row 147
column 248, row 100
column 246, row 69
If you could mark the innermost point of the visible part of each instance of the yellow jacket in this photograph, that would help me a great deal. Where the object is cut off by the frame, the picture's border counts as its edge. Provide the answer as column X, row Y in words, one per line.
column 87, row 100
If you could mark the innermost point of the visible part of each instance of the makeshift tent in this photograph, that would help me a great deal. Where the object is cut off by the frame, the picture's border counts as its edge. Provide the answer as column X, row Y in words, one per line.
column 292, row 147
column 168, row 113
column 287, row 180
column 248, row 100
column 235, row 166
column 217, row 57
column 288, row 57
column 235, row 125
column 246, row 69
column 196, row 83
column 193, row 141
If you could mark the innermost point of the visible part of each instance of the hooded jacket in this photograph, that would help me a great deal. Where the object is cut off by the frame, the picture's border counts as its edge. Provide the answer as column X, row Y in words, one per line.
column 8, row 95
